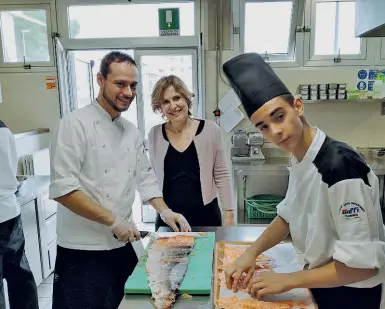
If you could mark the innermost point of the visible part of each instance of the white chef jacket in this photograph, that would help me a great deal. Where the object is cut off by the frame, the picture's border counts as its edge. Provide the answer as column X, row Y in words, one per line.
column 106, row 160
column 9, row 206
column 333, row 210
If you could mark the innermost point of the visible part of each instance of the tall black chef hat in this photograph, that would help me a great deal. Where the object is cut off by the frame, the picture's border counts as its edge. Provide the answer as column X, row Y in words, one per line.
column 253, row 80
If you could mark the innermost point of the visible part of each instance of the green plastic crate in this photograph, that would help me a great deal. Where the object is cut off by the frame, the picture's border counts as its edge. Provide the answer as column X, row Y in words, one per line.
column 262, row 206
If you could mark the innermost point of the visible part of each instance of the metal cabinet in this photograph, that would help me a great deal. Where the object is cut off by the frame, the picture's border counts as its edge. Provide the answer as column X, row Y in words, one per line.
column 49, row 206
column 31, row 234
column 48, row 210
column 51, row 256
column 49, row 247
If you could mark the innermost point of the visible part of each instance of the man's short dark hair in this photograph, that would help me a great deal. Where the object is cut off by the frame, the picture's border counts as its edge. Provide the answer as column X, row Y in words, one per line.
column 288, row 98
column 114, row 56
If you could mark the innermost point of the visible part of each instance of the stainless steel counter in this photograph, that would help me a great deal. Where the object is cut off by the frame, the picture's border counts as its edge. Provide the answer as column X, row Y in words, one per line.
column 278, row 166
column 31, row 132
column 197, row 302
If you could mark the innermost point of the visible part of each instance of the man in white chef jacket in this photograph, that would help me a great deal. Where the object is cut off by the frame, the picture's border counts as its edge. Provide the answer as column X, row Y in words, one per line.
column 97, row 161
column 14, row 267
column 331, row 209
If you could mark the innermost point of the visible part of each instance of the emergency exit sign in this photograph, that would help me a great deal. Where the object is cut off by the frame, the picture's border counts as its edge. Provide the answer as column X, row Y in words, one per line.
column 169, row 22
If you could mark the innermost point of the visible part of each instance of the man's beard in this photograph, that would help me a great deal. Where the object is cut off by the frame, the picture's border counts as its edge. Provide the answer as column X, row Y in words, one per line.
column 113, row 104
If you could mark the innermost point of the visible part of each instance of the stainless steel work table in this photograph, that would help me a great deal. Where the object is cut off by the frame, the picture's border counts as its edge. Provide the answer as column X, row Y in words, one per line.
column 197, row 302
column 276, row 167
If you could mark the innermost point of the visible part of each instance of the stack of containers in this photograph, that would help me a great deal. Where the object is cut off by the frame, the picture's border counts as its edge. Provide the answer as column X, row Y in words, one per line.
column 304, row 91
column 323, row 91
column 337, row 92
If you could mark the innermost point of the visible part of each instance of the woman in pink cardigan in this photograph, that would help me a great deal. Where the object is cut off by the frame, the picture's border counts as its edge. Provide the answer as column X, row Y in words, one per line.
column 188, row 158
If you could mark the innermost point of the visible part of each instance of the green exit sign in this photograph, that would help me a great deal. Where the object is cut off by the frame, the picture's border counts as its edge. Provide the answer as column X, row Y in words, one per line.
column 169, row 22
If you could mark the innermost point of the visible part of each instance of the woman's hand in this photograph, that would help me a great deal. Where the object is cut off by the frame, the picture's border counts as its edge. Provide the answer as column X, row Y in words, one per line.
column 172, row 219
column 228, row 219
column 270, row 283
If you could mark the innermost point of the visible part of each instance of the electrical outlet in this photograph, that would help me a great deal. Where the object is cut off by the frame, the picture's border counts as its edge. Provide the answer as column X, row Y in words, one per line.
column 383, row 108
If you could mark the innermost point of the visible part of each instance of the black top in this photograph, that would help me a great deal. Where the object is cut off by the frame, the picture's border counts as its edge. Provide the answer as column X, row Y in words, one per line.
column 182, row 190
column 182, row 174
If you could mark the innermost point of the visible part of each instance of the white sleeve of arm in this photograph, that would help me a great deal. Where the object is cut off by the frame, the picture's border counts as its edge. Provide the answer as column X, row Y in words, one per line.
column 146, row 181
column 222, row 175
column 355, row 216
column 283, row 211
column 67, row 152
column 8, row 161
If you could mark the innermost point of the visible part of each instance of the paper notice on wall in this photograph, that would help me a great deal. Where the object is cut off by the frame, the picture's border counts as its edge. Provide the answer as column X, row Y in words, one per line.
column 229, row 100
column 50, row 82
column 230, row 119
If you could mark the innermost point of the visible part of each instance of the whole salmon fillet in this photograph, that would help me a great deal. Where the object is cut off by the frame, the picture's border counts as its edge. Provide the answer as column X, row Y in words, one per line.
column 166, row 266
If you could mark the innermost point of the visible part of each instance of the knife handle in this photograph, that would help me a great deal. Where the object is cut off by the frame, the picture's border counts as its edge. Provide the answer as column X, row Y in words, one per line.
column 142, row 234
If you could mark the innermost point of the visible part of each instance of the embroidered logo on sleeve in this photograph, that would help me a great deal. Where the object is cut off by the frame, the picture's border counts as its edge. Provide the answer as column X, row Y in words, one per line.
column 351, row 210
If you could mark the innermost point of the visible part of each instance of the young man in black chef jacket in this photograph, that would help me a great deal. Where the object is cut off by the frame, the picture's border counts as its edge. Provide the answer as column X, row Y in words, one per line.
column 14, row 267
column 331, row 208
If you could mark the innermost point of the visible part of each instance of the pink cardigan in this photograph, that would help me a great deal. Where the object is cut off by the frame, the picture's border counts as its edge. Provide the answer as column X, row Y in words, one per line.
column 214, row 171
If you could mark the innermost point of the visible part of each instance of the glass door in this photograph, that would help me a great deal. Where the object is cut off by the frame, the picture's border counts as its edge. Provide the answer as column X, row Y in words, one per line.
column 83, row 81
column 63, row 79
column 154, row 64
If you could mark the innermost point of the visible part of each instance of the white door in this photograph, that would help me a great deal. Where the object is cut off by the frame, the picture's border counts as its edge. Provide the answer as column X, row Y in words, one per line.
column 154, row 64
column 66, row 104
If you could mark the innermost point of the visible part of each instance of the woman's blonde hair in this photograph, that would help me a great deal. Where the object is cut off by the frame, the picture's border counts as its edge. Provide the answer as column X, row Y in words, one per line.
column 161, row 86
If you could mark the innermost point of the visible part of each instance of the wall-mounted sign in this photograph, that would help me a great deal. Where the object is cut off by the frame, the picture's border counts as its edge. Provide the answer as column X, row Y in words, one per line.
column 169, row 22
column 50, row 82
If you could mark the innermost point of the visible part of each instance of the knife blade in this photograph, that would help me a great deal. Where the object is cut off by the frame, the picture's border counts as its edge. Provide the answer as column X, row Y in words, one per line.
column 142, row 234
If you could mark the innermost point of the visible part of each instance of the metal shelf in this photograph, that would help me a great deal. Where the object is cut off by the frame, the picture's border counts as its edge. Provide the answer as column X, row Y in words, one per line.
column 344, row 101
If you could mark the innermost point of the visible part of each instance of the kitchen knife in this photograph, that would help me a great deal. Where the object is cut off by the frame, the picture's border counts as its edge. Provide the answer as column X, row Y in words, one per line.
column 142, row 234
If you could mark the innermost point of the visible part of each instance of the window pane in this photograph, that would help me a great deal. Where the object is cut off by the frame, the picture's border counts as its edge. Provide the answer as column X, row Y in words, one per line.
column 83, row 82
column 325, row 28
column 24, row 34
column 334, row 29
column 267, row 27
column 155, row 67
column 129, row 20
column 347, row 42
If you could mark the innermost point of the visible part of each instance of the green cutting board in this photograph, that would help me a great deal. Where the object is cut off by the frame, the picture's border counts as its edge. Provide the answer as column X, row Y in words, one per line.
column 197, row 280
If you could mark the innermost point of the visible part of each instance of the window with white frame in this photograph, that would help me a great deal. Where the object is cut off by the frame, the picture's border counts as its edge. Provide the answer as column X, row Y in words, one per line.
column 332, row 31
column 26, row 35
column 268, row 27
column 126, row 20
column 137, row 26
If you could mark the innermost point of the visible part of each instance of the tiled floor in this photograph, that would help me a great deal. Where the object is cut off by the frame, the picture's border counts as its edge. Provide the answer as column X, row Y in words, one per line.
column 45, row 293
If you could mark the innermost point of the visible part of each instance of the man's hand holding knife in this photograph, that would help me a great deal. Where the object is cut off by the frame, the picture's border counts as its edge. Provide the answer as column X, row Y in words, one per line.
column 126, row 231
